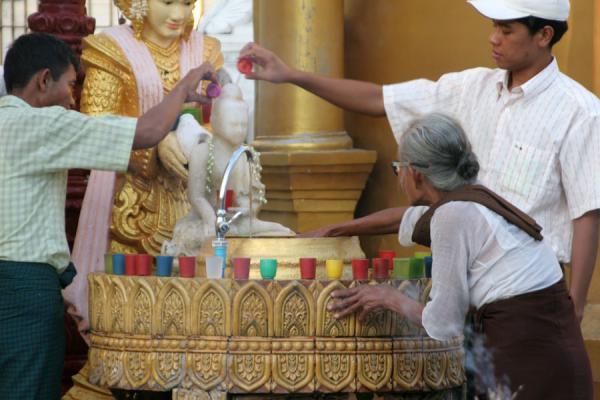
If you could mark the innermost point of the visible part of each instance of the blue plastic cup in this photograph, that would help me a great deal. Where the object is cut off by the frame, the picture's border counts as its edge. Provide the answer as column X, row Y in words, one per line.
column 268, row 268
column 164, row 265
column 220, row 250
column 118, row 264
column 428, row 262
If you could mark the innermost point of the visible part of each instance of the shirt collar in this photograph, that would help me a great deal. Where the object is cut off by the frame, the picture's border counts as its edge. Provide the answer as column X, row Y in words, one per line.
column 13, row 101
column 533, row 86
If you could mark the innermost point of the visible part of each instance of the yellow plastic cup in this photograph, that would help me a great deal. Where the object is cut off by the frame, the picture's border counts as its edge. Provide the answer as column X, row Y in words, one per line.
column 334, row 268
column 422, row 254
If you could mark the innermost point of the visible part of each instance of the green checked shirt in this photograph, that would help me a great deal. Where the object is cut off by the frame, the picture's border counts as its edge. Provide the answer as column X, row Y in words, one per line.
column 37, row 147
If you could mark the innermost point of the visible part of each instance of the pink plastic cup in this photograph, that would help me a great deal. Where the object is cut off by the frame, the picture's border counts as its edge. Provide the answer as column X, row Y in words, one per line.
column 143, row 264
column 241, row 268
column 360, row 269
column 130, row 261
column 308, row 268
column 187, row 266
column 381, row 268
column 245, row 65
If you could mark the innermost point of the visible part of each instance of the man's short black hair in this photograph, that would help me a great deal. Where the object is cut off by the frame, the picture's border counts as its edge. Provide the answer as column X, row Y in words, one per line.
column 33, row 52
column 535, row 24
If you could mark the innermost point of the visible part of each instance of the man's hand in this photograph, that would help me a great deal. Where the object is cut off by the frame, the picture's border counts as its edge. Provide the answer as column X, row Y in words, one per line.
column 172, row 158
column 192, row 80
column 272, row 69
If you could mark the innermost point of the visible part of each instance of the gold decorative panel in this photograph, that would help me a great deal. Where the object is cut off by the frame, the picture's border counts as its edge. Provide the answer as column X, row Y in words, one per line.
column 211, row 337
column 293, row 365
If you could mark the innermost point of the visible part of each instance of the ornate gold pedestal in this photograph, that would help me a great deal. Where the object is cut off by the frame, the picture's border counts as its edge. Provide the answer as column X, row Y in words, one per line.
column 224, row 336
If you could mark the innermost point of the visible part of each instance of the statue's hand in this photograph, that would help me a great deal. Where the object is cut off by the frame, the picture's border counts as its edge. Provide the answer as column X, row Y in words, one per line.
column 272, row 68
column 172, row 158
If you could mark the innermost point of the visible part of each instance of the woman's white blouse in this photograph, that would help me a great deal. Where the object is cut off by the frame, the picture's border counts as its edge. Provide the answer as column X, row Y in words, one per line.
column 478, row 257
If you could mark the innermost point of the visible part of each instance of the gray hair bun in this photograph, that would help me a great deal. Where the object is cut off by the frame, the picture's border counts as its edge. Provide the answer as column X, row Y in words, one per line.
column 468, row 166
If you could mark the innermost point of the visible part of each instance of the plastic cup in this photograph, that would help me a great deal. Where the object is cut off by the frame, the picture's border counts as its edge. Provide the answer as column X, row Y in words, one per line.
column 130, row 264
column 214, row 267
column 241, row 268
column 108, row 263
column 428, row 263
column 421, row 254
column 118, row 264
column 164, row 265
column 417, row 268
column 381, row 268
column 401, row 268
column 213, row 90
column 308, row 268
column 268, row 268
column 187, row 266
column 388, row 254
column 220, row 249
column 334, row 268
column 143, row 264
column 360, row 269
column 244, row 65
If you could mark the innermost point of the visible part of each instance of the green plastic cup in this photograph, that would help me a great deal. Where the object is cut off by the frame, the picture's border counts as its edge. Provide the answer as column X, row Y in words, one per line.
column 108, row 263
column 401, row 268
column 421, row 254
column 268, row 268
column 417, row 268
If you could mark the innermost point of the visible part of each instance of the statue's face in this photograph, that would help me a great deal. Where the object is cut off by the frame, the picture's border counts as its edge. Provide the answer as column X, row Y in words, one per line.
column 231, row 122
column 166, row 19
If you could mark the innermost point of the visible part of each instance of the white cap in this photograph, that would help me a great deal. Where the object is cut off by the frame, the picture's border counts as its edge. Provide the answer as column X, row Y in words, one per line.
column 557, row 10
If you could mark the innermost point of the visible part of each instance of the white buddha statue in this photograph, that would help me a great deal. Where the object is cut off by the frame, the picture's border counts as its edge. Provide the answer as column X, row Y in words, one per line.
column 208, row 157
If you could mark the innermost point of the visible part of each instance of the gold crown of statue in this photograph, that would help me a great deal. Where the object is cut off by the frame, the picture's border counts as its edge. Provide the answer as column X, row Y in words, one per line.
column 137, row 10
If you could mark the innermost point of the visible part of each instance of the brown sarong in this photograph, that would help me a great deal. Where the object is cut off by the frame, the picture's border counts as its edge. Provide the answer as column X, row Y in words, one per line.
column 536, row 343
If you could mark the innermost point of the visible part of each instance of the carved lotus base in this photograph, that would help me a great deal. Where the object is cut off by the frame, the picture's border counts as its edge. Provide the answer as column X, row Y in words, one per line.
column 204, row 336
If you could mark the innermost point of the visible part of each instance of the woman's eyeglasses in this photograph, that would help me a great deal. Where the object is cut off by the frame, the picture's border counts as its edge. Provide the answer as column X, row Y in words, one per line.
column 396, row 165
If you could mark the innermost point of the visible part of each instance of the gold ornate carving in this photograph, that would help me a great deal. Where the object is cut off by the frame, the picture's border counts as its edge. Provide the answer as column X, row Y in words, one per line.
column 293, row 365
column 326, row 324
column 253, row 311
column 211, row 307
column 249, row 365
column 374, row 364
column 294, row 311
column 137, row 368
column 174, row 354
column 336, row 365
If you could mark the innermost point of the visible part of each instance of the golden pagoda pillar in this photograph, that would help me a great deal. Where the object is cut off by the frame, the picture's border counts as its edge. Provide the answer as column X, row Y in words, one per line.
column 313, row 175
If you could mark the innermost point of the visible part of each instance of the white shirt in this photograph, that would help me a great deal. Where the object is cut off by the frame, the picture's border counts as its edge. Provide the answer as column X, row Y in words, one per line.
column 475, row 263
column 538, row 144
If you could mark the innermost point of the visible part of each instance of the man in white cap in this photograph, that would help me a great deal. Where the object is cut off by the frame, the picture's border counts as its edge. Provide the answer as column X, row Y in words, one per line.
column 535, row 130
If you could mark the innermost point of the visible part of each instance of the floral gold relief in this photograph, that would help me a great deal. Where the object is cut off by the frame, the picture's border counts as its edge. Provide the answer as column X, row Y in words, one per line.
column 213, row 337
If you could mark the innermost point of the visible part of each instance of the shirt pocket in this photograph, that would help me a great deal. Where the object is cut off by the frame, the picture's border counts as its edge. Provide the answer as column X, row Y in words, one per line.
column 525, row 177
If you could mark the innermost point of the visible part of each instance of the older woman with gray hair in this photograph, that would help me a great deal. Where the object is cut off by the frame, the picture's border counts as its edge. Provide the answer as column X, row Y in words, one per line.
column 487, row 254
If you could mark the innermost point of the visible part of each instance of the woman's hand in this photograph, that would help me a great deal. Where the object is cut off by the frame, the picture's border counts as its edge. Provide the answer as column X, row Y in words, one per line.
column 272, row 68
column 172, row 158
column 362, row 300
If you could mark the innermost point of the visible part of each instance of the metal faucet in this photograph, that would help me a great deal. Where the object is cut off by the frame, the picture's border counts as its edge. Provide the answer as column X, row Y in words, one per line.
column 222, row 224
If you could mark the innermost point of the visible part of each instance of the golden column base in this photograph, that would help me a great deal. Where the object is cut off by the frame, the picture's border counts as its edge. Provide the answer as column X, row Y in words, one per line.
column 310, row 189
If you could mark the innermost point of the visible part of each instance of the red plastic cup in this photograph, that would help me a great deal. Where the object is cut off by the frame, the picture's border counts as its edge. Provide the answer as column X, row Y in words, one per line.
column 308, row 268
column 389, row 255
column 187, row 266
column 130, row 261
column 244, row 65
column 381, row 268
column 241, row 268
column 143, row 264
column 228, row 198
column 360, row 269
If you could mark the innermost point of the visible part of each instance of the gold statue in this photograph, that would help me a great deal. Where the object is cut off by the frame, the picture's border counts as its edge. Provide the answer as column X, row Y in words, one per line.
column 129, row 69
